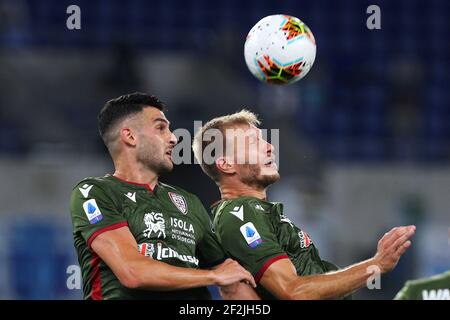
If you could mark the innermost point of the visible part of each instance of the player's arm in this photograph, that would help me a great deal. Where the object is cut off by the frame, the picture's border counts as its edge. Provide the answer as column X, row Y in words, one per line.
column 282, row 281
column 118, row 249
column 238, row 291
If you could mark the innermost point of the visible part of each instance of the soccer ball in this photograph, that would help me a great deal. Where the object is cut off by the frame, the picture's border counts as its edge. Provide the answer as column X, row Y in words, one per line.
column 280, row 49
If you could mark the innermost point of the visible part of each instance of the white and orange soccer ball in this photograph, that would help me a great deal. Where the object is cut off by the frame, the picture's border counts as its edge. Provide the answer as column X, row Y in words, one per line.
column 280, row 49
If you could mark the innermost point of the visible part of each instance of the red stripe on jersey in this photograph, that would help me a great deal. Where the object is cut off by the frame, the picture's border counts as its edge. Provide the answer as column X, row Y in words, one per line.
column 107, row 228
column 96, row 279
column 266, row 265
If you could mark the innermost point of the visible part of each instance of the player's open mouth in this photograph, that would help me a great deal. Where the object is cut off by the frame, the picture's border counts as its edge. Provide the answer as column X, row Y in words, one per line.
column 169, row 153
column 271, row 163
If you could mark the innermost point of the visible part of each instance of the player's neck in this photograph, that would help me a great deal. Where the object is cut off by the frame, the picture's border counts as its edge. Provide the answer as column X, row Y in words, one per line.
column 135, row 172
column 237, row 190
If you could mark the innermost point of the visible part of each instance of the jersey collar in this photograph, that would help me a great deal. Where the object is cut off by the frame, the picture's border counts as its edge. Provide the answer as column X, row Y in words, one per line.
column 142, row 185
column 216, row 203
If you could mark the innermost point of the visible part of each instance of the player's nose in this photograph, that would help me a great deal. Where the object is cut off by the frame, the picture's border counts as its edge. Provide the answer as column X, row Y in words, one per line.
column 173, row 139
column 270, row 148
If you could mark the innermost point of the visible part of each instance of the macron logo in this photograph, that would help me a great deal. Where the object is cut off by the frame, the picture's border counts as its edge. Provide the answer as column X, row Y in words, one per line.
column 131, row 196
column 85, row 190
column 238, row 212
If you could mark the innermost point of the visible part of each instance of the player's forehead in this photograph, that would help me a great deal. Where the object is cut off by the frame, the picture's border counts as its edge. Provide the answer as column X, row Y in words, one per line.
column 253, row 130
column 243, row 128
column 151, row 115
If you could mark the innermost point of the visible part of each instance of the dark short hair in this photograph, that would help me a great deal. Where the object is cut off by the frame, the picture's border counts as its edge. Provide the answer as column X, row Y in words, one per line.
column 122, row 107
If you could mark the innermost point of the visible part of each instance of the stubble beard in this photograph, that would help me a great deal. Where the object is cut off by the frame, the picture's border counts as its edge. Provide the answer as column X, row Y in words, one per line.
column 153, row 159
column 253, row 177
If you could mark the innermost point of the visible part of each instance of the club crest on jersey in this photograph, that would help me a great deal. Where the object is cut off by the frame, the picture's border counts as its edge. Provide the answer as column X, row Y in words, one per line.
column 251, row 235
column 305, row 240
column 155, row 224
column 92, row 211
column 146, row 249
column 179, row 202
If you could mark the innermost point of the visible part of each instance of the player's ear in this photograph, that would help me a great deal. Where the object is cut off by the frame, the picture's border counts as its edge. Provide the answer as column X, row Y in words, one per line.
column 225, row 165
column 128, row 136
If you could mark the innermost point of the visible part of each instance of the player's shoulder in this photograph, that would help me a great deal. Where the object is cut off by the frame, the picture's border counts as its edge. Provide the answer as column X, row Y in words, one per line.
column 102, row 182
column 98, row 187
column 429, row 281
column 416, row 289
column 243, row 208
column 93, row 190
column 248, row 203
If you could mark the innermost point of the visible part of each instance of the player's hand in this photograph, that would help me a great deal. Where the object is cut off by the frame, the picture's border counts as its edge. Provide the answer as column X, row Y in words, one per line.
column 392, row 246
column 230, row 272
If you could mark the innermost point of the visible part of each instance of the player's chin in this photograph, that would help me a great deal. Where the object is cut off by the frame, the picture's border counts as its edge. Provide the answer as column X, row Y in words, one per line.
column 271, row 170
column 169, row 166
column 166, row 166
column 270, row 177
column 168, row 160
column 276, row 176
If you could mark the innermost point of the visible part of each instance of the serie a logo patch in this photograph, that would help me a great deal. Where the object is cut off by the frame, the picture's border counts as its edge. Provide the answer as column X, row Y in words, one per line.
column 251, row 235
column 92, row 211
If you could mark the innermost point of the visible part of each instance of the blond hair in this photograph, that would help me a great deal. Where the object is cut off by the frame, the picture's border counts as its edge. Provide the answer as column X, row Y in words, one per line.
column 220, row 123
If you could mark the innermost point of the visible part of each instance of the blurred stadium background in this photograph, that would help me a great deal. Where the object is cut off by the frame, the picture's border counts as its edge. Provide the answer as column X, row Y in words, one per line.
column 364, row 137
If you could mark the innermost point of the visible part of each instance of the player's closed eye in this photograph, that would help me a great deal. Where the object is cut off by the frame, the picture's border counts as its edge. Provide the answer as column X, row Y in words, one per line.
column 161, row 127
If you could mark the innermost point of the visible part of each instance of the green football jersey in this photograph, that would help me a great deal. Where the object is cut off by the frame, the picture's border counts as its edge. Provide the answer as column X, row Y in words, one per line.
column 168, row 223
column 433, row 288
column 256, row 233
